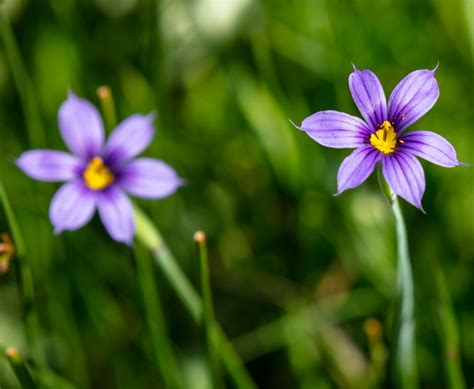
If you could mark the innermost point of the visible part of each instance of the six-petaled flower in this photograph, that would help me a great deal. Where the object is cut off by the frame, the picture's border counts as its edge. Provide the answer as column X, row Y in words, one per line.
column 381, row 137
column 99, row 174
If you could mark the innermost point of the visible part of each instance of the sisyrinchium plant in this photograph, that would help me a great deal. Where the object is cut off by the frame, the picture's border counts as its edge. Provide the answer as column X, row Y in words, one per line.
column 381, row 138
column 100, row 174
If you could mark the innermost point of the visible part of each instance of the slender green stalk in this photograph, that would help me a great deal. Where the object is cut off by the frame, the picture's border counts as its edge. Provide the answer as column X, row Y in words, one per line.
column 25, row 284
column 108, row 107
column 405, row 357
column 20, row 368
column 209, row 319
column 23, row 83
column 150, row 237
column 231, row 359
column 162, row 349
column 448, row 331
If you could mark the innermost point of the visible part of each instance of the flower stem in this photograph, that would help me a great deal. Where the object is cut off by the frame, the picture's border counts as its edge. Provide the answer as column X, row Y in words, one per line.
column 163, row 352
column 405, row 358
column 209, row 319
column 150, row 237
column 20, row 368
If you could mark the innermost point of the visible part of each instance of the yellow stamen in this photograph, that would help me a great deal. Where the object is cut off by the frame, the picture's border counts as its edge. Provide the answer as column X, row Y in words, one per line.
column 97, row 175
column 385, row 138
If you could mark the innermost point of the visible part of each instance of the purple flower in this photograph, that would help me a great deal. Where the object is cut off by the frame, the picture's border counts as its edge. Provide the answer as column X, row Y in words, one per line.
column 381, row 137
column 99, row 174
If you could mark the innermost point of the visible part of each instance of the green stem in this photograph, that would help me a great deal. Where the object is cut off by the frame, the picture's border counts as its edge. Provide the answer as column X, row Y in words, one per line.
column 24, row 85
column 209, row 319
column 20, row 368
column 25, row 285
column 405, row 358
column 150, row 237
column 163, row 352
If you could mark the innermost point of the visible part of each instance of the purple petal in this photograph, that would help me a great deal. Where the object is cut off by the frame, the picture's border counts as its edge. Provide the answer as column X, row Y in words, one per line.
column 404, row 174
column 81, row 126
column 116, row 213
column 430, row 146
column 369, row 96
column 412, row 98
column 149, row 178
column 130, row 138
column 72, row 207
column 336, row 129
column 355, row 168
column 49, row 165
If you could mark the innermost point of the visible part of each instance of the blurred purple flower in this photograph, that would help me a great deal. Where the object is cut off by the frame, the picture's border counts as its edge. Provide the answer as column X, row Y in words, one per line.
column 100, row 174
column 380, row 138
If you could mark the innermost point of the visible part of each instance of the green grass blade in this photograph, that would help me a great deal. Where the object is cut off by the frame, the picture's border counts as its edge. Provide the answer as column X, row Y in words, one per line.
column 162, row 349
column 23, row 84
column 448, row 331
column 25, row 281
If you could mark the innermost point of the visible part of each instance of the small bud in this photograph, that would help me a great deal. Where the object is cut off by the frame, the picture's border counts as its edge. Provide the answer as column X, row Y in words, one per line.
column 4, row 266
column 12, row 354
column 104, row 92
column 200, row 237
column 373, row 328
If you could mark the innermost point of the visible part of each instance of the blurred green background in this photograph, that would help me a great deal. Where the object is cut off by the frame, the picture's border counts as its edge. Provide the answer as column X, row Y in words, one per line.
column 296, row 273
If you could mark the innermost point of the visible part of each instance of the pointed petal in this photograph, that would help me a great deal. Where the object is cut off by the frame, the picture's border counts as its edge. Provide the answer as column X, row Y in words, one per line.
column 81, row 126
column 336, row 129
column 369, row 97
column 49, row 165
column 430, row 146
column 149, row 178
column 116, row 213
column 404, row 174
column 72, row 207
column 130, row 138
column 357, row 167
column 412, row 98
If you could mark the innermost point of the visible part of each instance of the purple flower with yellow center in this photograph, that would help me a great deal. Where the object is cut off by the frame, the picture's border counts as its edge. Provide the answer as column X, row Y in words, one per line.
column 100, row 174
column 381, row 137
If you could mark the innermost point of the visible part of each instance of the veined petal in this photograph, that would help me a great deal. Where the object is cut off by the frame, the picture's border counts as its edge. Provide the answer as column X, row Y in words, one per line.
column 49, row 165
column 81, row 126
column 130, row 138
column 369, row 96
column 357, row 167
column 116, row 213
column 412, row 98
column 430, row 146
column 404, row 174
column 72, row 207
column 149, row 178
column 336, row 129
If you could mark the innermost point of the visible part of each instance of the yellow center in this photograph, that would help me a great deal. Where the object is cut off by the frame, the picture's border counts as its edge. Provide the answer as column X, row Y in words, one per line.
column 97, row 175
column 385, row 138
